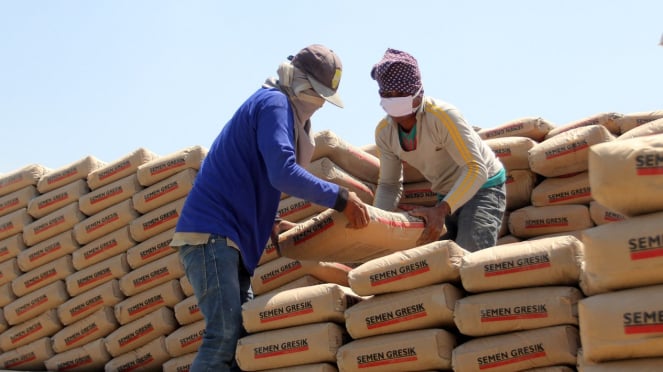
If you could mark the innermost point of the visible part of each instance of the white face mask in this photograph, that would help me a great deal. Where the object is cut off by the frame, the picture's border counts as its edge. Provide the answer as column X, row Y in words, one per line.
column 399, row 106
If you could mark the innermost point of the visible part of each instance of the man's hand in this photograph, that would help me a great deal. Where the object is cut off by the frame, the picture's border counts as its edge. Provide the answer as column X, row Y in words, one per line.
column 356, row 212
column 434, row 218
column 279, row 227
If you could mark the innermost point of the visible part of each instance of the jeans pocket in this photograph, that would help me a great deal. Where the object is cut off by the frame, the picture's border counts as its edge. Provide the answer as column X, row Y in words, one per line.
column 193, row 259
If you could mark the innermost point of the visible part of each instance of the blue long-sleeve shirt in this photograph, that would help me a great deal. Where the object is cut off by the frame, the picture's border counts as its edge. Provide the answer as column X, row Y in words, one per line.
column 251, row 162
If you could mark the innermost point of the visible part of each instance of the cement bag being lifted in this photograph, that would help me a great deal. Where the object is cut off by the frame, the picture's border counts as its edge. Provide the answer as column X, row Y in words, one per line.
column 627, row 176
column 535, row 128
column 325, row 237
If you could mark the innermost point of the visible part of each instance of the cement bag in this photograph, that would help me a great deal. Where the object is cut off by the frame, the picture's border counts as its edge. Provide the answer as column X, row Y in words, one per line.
column 326, row 237
column 14, row 223
column 301, row 282
column 152, row 274
column 410, row 173
column 516, row 310
column 648, row 129
column 601, row 215
column 426, row 307
column 507, row 239
column 69, row 173
column 52, row 224
column 3, row 323
column 623, row 255
column 283, row 270
column 29, row 357
column 166, row 294
column 86, row 303
column 99, row 324
column 605, row 119
column 156, row 221
column 9, row 271
column 120, row 168
column 327, row 170
column 426, row 349
column 635, row 165
column 628, row 122
column 314, row 304
column 187, row 311
column 179, row 364
column 90, row 357
column 108, row 195
column 294, row 209
column 18, row 199
column 151, row 249
column 58, row 198
column 105, row 222
column 163, row 192
column 557, row 345
column 512, row 151
column 563, row 190
column 20, row 178
column 354, row 160
column 102, row 248
column 567, row 153
column 186, row 339
column 418, row 194
column 270, row 253
column 530, row 221
column 304, row 344
column 149, row 357
column 186, row 286
column 6, row 297
column 42, row 276
column 165, row 166
column 47, row 251
column 97, row 274
column 35, row 303
column 417, row 267
column 519, row 186
column 140, row 331
column 535, row 128
column 639, row 364
column 11, row 247
column 622, row 325
column 550, row 261
column 31, row 330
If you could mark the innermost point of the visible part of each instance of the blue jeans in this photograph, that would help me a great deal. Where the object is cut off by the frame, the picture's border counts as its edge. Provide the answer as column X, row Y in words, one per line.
column 221, row 284
column 476, row 224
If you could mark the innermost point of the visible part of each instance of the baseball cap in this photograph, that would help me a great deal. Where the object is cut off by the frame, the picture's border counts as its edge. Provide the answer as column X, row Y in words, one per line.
column 323, row 69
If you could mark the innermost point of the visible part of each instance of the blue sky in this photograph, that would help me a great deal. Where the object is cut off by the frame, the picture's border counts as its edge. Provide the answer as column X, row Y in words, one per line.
column 104, row 78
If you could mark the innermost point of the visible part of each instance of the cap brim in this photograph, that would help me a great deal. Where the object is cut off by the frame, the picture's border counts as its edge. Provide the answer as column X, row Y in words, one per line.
column 326, row 93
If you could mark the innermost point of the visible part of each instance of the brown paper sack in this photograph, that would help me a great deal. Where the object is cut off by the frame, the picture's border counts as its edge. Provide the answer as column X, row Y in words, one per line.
column 11, row 247
column 354, row 160
column 535, row 128
column 326, row 237
column 3, row 323
column 161, row 193
column 550, row 261
column 601, row 215
column 639, row 364
column 149, row 357
column 310, row 343
column 29, row 357
column 512, row 151
column 42, row 276
column 107, row 246
column 634, row 120
column 151, row 249
column 52, row 224
column 315, row 304
column 68, row 173
column 519, row 350
column 623, row 255
column 294, row 209
column 403, row 351
column 14, row 223
column 58, row 198
column 187, row 289
column 109, row 195
column 187, row 311
column 43, row 325
column 179, row 364
column 270, row 253
column 26, row 176
column 427, row 264
column 120, row 168
column 186, row 339
column 99, row 324
column 86, row 303
column 418, row 194
column 410, row 173
column 156, row 221
column 533, row 221
column 327, row 170
column 604, row 119
column 516, row 310
column 165, row 166
column 648, row 129
column 140, row 331
column 105, row 222
column 9, row 271
column 622, row 325
column 6, row 295
column 567, row 152
column 18, row 199
column 89, row 357
column 132, row 308
column 519, row 186
column 97, row 274
column 427, row 307
column 35, row 303
column 47, row 251
column 152, row 274
column 635, row 165
column 304, row 281
column 283, row 270
column 562, row 191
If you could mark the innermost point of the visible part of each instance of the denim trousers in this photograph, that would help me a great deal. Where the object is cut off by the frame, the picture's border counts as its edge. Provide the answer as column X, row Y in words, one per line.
column 221, row 285
column 476, row 225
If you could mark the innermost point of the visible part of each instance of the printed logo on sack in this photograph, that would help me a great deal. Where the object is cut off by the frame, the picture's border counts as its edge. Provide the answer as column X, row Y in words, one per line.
column 649, row 164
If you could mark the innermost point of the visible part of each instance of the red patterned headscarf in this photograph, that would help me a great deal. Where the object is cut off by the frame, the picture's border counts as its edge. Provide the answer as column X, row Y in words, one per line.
column 397, row 71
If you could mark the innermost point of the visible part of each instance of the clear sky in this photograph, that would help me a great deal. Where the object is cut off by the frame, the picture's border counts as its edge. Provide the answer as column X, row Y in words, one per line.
column 105, row 77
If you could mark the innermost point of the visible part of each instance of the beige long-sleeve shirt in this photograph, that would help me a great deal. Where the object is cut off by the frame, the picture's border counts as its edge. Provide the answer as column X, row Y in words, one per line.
column 449, row 154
